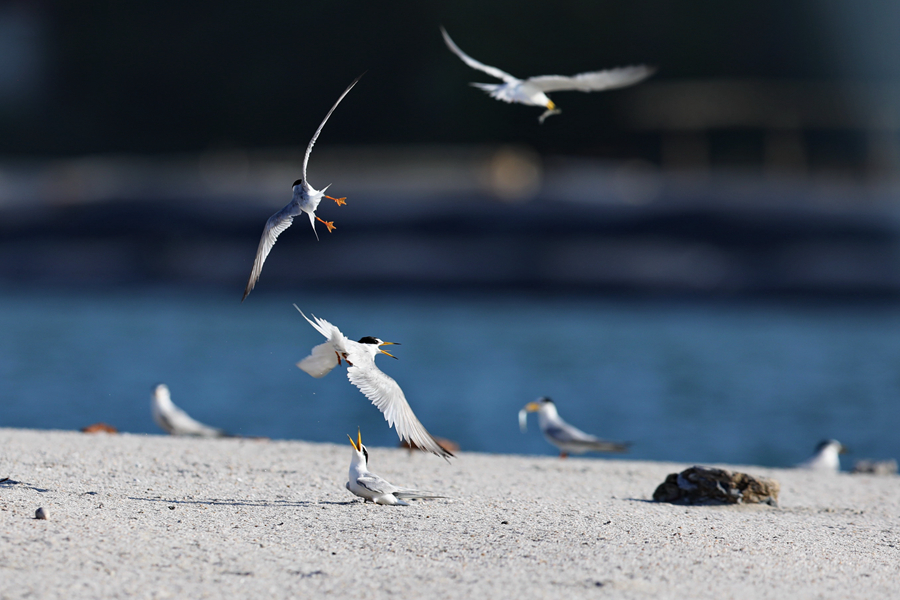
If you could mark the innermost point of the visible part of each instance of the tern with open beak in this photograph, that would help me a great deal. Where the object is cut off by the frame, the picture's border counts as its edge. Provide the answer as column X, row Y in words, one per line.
column 371, row 487
column 378, row 387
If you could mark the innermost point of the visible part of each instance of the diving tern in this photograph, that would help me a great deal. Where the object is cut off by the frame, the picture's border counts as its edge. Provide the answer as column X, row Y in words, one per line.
column 174, row 420
column 532, row 91
column 569, row 439
column 369, row 486
column 378, row 387
column 305, row 200
column 826, row 457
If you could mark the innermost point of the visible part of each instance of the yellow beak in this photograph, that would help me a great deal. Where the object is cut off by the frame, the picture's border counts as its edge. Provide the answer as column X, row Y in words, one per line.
column 532, row 407
column 550, row 105
column 388, row 353
column 357, row 445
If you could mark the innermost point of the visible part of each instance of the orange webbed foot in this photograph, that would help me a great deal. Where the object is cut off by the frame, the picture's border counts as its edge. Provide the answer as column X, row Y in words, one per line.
column 328, row 224
column 338, row 201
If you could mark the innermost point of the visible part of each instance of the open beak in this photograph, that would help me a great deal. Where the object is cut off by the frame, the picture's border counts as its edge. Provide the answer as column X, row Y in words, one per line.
column 389, row 344
column 357, row 445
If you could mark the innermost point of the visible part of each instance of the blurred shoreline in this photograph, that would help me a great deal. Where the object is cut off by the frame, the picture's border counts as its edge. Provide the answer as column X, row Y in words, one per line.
column 459, row 216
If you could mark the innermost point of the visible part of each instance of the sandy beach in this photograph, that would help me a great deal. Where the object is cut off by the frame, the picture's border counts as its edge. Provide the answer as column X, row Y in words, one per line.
column 142, row 516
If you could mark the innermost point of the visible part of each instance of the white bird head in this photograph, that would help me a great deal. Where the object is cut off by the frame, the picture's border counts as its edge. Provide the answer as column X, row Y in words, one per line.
column 541, row 405
column 831, row 446
column 161, row 395
column 360, row 454
column 375, row 344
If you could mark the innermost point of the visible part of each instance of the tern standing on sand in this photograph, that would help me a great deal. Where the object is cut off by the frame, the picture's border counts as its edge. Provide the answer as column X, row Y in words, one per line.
column 378, row 387
column 305, row 200
column 569, row 439
column 532, row 91
column 174, row 420
column 369, row 486
column 826, row 457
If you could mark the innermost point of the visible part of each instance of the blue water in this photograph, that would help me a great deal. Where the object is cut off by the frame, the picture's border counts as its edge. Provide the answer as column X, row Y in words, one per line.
column 747, row 383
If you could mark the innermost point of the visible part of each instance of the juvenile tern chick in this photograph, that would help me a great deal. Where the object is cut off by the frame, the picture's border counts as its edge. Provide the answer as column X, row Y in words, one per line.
column 826, row 457
column 305, row 200
column 378, row 387
column 532, row 91
column 174, row 420
column 369, row 486
column 569, row 439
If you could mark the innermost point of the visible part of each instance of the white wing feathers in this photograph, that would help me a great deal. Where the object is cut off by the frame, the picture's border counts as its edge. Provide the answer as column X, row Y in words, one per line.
column 593, row 81
column 492, row 71
column 387, row 396
column 274, row 226
column 322, row 360
column 321, row 125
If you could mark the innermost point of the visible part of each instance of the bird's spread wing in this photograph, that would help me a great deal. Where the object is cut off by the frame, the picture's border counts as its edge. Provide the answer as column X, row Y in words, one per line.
column 384, row 393
column 321, row 361
column 274, row 226
column 376, row 484
column 319, row 130
column 492, row 71
column 593, row 81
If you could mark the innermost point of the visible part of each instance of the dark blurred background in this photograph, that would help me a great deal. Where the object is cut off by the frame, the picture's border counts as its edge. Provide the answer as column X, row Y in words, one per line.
column 154, row 139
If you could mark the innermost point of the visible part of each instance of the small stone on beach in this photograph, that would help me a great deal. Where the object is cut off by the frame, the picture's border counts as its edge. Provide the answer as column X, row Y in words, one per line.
column 41, row 514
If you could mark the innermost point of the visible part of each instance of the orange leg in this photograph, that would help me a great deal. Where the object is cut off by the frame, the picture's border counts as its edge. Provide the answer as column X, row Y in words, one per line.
column 563, row 455
column 338, row 201
column 328, row 224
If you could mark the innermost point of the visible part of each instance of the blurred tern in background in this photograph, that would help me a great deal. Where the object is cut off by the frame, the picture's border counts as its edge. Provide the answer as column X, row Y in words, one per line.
column 569, row 439
column 826, row 457
column 306, row 200
column 378, row 387
column 532, row 91
column 369, row 486
column 174, row 420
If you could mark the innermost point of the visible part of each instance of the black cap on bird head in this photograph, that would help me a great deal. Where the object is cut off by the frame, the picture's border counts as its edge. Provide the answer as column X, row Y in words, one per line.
column 296, row 183
column 545, row 400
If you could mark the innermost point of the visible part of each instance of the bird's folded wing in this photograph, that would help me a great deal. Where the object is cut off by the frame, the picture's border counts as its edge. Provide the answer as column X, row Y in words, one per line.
column 274, row 226
column 321, row 361
column 593, row 81
column 384, row 393
column 182, row 423
column 376, row 484
column 567, row 434
column 408, row 494
column 492, row 71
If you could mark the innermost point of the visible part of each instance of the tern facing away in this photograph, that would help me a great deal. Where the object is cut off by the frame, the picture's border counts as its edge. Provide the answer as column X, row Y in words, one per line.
column 569, row 439
column 369, row 486
column 826, row 457
column 174, row 420
column 305, row 200
column 378, row 387
column 532, row 91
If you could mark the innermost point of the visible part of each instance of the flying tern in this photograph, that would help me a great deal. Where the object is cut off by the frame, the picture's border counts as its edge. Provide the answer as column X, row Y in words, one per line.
column 532, row 91
column 569, row 439
column 378, row 387
column 174, row 420
column 305, row 200
column 826, row 457
column 369, row 486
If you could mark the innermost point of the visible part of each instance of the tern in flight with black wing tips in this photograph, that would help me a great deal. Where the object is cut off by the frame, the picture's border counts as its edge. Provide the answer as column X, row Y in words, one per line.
column 371, row 487
column 569, row 439
column 378, row 387
column 305, row 200
column 532, row 91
